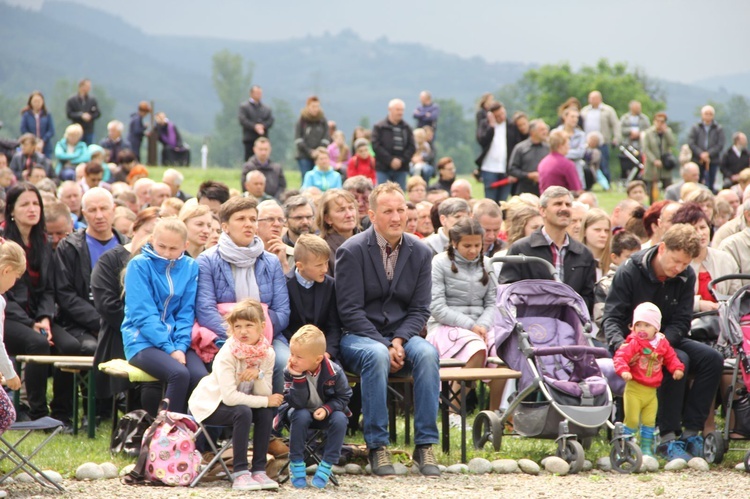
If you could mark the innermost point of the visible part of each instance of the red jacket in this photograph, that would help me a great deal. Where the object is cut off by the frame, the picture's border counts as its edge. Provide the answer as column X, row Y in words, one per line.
column 644, row 362
column 359, row 166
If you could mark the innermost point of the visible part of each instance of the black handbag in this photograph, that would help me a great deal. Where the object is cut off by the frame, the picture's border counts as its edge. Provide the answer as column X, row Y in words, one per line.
column 128, row 435
column 668, row 161
column 705, row 327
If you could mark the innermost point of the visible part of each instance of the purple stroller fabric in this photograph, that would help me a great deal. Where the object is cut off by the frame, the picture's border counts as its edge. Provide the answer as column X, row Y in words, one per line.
column 553, row 315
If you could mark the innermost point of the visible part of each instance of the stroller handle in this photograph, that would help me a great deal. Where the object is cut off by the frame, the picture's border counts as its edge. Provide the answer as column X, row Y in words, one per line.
column 571, row 351
column 728, row 277
column 526, row 260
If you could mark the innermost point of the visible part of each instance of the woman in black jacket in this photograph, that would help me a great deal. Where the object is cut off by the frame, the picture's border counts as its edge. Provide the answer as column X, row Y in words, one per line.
column 310, row 133
column 29, row 316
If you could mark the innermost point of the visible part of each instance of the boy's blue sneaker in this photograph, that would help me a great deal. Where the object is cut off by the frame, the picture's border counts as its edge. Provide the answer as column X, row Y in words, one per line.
column 694, row 445
column 674, row 449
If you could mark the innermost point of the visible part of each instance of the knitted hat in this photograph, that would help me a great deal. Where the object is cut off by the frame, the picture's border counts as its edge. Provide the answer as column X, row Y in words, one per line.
column 360, row 142
column 649, row 313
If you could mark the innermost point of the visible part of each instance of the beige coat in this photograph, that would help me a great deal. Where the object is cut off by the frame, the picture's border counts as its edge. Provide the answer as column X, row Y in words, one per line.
column 221, row 384
column 610, row 125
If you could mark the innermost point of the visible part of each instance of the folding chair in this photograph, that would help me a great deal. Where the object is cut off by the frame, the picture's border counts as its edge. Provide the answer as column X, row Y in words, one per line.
column 218, row 453
column 24, row 462
column 314, row 443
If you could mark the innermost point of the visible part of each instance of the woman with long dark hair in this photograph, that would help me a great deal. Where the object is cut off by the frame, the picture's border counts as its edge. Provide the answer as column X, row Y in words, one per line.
column 29, row 316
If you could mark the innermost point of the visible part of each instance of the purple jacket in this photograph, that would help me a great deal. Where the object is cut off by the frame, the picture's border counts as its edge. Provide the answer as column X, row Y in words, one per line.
column 556, row 169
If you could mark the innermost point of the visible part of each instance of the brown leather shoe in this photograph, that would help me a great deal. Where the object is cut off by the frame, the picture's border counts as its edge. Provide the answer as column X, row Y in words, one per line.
column 277, row 448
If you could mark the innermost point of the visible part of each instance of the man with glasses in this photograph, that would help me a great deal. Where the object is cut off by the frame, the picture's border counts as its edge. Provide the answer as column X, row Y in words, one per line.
column 300, row 216
column 271, row 222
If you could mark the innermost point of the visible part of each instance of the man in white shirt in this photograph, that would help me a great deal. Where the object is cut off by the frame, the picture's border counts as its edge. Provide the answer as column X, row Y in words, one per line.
column 492, row 135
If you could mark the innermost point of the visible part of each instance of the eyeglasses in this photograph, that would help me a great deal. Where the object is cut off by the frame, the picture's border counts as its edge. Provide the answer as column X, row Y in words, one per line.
column 301, row 217
column 280, row 220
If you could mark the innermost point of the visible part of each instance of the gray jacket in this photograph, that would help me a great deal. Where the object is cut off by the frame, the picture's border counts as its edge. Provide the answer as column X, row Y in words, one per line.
column 626, row 127
column 697, row 141
column 460, row 299
column 437, row 242
column 524, row 160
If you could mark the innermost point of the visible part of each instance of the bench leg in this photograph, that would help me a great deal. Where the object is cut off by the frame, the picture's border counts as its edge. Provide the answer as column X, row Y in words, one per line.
column 445, row 406
column 408, row 387
column 92, row 403
column 463, row 421
column 75, row 404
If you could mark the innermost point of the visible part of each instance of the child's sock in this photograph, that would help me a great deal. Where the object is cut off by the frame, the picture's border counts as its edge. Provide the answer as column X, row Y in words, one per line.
column 688, row 433
column 627, row 430
column 647, row 440
column 298, row 471
column 322, row 475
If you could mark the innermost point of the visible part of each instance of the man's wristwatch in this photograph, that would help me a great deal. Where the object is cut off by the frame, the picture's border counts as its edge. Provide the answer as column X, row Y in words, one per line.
column 261, row 374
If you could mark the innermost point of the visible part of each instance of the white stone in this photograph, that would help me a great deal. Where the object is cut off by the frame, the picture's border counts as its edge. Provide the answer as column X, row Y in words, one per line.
column 52, row 475
column 312, row 469
column 457, row 469
column 544, row 461
column 505, row 466
column 556, row 465
column 368, row 469
column 676, row 465
column 338, row 470
column 650, row 464
column 698, row 463
column 400, row 469
column 89, row 471
column 740, row 467
column 23, row 478
column 127, row 469
column 587, row 465
column 109, row 470
column 442, row 468
column 528, row 466
column 353, row 469
column 480, row 466
column 604, row 464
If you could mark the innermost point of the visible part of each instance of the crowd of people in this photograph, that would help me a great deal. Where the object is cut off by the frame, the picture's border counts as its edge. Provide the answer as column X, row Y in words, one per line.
column 378, row 263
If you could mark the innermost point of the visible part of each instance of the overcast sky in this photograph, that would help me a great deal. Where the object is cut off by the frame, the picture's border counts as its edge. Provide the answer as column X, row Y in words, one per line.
column 680, row 40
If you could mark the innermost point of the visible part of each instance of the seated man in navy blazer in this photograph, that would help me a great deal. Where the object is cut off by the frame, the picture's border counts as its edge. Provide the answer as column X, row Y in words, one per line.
column 312, row 297
column 383, row 288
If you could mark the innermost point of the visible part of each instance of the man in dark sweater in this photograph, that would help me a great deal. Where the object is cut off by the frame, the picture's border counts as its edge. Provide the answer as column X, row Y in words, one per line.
column 255, row 118
column 393, row 143
column 662, row 275
column 83, row 109
column 735, row 160
column 261, row 161
column 526, row 156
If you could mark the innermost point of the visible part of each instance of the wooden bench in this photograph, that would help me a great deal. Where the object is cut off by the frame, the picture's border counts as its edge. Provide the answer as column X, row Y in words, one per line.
column 74, row 364
column 456, row 399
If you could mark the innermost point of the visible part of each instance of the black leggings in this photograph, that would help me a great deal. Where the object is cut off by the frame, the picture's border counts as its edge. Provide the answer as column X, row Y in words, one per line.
column 21, row 339
column 180, row 379
column 239, row 417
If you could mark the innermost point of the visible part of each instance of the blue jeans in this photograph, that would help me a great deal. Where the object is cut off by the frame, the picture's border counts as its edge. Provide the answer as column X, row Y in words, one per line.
column 282, row 357
column 305, row 165
column 88, row 138
column 604, row 165
column 708, row 178
column 301, row 420
column 495, row 193
column 371, row 361
column 180, row 379
column 394, row 176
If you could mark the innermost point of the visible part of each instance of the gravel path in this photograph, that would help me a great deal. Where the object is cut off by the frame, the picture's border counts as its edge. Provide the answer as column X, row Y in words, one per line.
column 687, row 484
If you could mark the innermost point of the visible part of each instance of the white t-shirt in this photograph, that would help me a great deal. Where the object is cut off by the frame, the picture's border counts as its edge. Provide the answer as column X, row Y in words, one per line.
column 496, row 160
column 593, row 121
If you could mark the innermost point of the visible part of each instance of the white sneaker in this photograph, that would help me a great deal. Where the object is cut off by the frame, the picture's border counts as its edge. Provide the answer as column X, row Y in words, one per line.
column 245, row 481
column 454, row 420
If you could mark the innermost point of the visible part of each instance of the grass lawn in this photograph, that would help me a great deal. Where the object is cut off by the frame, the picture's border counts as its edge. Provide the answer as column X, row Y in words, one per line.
column 231, row 176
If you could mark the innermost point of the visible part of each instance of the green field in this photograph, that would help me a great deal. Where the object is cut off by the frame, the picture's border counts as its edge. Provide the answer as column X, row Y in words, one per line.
column 231, row 176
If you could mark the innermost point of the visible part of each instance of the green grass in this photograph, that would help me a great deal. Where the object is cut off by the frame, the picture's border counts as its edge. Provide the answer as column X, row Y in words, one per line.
column 231, row 176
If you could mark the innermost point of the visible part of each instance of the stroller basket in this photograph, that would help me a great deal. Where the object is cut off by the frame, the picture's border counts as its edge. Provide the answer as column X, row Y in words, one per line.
column 541, row 420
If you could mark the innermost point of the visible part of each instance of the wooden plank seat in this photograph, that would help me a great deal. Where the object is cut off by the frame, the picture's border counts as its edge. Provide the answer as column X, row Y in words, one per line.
column 74, row 364
column 456, row 399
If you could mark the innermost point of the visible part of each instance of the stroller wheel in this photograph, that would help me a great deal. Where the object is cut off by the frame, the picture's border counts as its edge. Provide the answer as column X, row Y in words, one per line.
column 625, row 456
column 747, row 461
column 488, row 427
column 572, row 453
column 713, row 448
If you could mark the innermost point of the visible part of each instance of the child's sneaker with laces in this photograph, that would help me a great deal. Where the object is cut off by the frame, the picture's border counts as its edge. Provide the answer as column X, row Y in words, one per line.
column 694, row 445
column 673, row 449
column 245, row 481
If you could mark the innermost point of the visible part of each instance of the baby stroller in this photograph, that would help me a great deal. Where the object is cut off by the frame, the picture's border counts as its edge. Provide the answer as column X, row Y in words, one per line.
column 562, row 393
column 734, row 319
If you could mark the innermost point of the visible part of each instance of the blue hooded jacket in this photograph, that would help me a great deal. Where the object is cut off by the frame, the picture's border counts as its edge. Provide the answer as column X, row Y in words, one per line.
column 159, row 302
